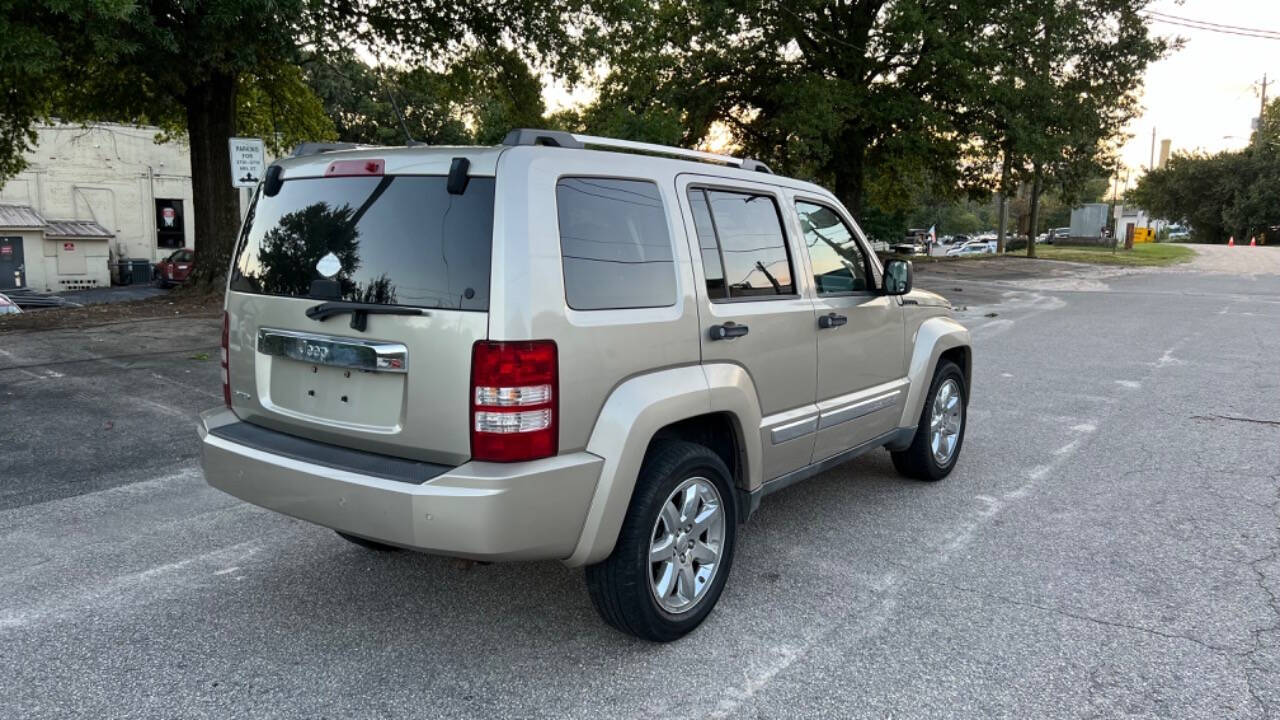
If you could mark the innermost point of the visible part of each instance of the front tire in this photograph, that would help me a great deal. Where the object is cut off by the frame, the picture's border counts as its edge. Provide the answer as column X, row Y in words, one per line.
column 675, row 547
column 940, row 432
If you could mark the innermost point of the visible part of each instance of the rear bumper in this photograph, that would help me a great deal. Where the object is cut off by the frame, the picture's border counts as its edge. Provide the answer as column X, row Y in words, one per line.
column 483, row 511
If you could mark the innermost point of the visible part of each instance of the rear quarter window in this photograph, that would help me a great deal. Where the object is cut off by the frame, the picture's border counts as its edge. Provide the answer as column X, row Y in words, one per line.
column 615, row 244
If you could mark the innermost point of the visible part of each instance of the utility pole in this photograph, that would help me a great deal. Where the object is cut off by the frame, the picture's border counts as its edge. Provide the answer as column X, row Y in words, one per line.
column 1151, row 165
column 1262, row 111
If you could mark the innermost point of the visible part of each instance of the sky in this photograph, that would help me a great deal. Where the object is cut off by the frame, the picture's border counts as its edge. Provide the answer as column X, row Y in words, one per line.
column 1205, row 95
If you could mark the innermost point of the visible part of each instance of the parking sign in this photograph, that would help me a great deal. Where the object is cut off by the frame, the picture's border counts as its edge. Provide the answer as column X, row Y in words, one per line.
column 247, row 162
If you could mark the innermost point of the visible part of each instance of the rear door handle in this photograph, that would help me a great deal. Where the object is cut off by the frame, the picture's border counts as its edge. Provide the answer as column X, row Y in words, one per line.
column 728, row 330
column 831, row 320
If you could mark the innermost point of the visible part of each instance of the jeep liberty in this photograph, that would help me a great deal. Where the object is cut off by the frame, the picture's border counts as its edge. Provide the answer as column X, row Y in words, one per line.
column 567, row 347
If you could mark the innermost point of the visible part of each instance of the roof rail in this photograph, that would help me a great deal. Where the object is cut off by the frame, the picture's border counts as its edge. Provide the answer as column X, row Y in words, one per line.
column 560, row 138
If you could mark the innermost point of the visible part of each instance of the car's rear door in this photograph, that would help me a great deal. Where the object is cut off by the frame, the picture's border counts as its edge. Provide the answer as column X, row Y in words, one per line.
column 753, row 312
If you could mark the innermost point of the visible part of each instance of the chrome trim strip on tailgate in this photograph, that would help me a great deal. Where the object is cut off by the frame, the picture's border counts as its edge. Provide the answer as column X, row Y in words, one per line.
column 368, row 355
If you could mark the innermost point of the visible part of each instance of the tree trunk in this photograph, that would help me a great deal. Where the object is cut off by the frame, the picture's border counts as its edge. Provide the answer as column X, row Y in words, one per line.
column 1006, row 167
column 850, row 173
column 1035, row 212
column 211, row 120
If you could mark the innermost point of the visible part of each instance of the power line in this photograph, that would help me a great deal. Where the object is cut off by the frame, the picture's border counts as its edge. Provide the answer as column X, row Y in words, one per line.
column 1194, row 25
column 1213, row 24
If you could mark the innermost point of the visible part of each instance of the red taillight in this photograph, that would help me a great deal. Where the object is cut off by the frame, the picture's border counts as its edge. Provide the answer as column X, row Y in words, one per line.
column 226, row 379
column 349, row 168
column 515, row 391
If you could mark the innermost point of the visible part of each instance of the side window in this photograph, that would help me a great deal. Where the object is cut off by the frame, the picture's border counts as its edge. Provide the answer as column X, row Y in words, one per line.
column 752, row 258
column 615, row 245
column 838, row 263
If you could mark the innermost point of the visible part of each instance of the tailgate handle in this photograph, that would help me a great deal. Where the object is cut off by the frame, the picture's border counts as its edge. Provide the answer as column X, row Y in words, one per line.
column 368, row 355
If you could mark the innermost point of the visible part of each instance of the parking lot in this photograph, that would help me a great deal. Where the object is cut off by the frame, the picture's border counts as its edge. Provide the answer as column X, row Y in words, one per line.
column 1107, row 546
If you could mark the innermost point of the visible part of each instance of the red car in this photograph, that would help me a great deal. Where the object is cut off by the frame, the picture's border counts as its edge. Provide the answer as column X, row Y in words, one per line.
column 174, row 269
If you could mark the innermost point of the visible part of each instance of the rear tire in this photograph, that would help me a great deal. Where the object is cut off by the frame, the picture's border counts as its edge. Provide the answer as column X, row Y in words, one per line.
column 367, row 543
column 684, row 505
column 922, row 460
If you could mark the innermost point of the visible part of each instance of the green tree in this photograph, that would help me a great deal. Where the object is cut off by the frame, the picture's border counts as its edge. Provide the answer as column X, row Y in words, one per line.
column 34, row 61
column 478, row 100
column 1234, row 193
column 182, row 64
column 357, row 98
column 275, row 102
column 1065, row 77
column 864, row 96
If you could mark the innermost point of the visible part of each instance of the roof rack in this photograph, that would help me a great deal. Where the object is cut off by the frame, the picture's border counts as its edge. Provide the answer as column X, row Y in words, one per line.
column 560, row 138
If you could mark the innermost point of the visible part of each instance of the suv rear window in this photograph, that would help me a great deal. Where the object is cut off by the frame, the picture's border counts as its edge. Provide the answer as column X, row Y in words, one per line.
column 399, row 240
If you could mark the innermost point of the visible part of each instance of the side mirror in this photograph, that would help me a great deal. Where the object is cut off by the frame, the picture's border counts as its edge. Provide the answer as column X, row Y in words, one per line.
column 897, row 277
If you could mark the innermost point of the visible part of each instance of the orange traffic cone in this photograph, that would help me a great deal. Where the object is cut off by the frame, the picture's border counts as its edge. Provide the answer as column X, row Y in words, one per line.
column 1231, row 241
column 1253, row 242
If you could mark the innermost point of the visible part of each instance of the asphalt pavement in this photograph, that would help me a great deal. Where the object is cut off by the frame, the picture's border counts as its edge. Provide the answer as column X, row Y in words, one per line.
column 1107, row 545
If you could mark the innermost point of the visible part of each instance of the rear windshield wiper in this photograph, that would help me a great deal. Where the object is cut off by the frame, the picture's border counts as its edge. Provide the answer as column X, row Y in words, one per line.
column 359, row 312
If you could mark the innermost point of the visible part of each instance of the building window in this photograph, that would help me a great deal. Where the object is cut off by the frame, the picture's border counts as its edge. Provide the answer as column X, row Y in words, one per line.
column 170, row 231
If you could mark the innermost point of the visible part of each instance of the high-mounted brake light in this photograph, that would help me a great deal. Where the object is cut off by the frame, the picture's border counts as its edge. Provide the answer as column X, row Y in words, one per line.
column 351, row 168
column 226, row 356
column 515, row 388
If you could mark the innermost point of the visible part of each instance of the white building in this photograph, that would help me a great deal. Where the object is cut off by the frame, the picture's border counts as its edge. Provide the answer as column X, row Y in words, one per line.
column 130, row 193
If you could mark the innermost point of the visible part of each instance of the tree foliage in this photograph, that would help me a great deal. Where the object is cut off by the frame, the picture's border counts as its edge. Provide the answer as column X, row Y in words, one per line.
column 879, row 98
column 1234, row 193
column 36, row 58
column 476, row 100
column 206, row 66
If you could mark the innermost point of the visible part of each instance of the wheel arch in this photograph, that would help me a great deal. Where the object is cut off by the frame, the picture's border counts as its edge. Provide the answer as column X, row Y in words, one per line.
column 716, row 406
column 937, row 338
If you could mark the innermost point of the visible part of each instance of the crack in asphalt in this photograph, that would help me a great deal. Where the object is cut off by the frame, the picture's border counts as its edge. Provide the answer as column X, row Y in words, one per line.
column 1004, row 599
column 1272, row 601
column 1256, row 421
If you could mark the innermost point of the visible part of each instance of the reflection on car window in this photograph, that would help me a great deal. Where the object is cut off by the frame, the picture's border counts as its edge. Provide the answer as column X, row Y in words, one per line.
column 838, row 263
column 753, row 247
column 615, row 244
column 712, row 268
column 399, row 240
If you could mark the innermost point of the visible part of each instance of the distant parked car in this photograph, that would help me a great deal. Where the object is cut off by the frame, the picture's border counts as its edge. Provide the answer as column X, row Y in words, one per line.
column 972, row 248
column 8, row 307
column 175, row 269
column 1179, row 233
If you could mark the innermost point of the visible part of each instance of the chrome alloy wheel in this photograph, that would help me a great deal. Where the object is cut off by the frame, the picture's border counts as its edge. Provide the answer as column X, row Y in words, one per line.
column 945, row 422
column 685, row 546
